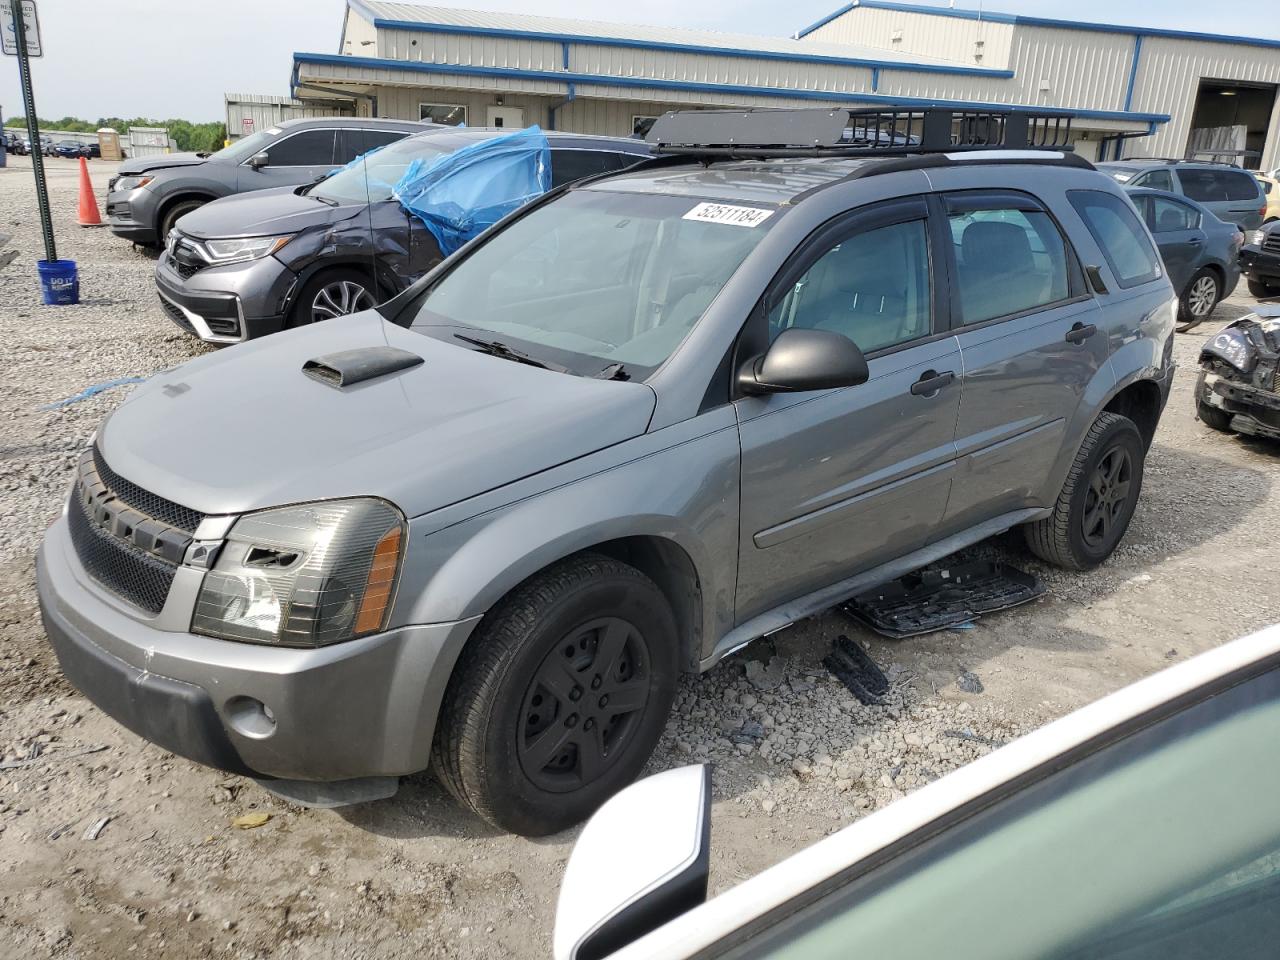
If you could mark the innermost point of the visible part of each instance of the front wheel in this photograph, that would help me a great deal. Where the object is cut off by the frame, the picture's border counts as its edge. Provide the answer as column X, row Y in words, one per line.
column 1097, row 501
column 1197, row 303
column 331, row 294
column 1213, row 418
column 173, row 214
column 558, row 699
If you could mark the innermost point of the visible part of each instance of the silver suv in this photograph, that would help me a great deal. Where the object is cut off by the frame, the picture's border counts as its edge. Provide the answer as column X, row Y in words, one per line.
column 148, row 194
column 642, row 421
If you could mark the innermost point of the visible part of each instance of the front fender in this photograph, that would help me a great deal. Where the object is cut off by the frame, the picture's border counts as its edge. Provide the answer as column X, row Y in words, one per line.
column 686, row 494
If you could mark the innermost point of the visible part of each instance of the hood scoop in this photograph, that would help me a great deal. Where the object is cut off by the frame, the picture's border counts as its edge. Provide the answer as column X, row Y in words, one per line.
column 346, row 368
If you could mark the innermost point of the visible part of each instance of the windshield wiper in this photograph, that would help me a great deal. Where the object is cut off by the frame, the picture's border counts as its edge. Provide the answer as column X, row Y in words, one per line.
column 614, row 371
column 315, row 196
column 496, row 348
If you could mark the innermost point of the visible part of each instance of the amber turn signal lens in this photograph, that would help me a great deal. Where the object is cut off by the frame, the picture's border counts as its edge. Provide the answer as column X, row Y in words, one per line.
column 382, row 577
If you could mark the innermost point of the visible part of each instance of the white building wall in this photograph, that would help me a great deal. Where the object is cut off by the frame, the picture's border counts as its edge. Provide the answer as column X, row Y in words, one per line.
column 1169, row 75
column 921, row 35
column 359, row 38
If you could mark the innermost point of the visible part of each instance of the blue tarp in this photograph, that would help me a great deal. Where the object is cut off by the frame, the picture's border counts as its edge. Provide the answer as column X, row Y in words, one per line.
column 458, row 195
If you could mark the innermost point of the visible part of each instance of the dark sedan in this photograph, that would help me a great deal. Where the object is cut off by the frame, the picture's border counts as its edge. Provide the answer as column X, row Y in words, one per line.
column 249, row 265
column 70, row 149
column 1201, row 253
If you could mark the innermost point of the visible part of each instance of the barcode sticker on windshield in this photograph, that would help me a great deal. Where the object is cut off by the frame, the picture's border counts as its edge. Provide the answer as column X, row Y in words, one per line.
column 723, row 213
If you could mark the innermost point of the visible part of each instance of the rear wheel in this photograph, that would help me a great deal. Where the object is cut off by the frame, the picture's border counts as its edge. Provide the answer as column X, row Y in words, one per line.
column 330, row 294
column 1212, row 417
column 1263, row 290
column 1097, row 502
column 171, row 215
column 1198, row 300
column 558, row 700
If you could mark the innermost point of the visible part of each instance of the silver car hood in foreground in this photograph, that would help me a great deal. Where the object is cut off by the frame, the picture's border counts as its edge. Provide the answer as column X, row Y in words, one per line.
column 244, row 428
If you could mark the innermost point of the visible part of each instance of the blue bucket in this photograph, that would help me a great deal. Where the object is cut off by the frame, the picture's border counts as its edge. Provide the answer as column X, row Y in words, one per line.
column 59, row 283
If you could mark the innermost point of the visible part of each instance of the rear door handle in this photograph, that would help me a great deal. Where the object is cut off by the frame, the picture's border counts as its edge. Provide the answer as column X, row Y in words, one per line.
column 1080, row 332
column 931, row 382
column 1195, row 241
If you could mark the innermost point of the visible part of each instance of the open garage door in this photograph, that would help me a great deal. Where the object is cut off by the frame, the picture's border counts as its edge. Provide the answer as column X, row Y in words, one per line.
column 1231, row 122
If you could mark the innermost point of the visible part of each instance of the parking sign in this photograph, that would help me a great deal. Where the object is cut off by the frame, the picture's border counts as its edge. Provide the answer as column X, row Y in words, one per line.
column 32, row 23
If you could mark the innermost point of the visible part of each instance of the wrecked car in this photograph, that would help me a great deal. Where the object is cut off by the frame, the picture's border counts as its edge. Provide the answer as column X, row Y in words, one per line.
column 249, row 265
column 1239, row 386
column 639, row 423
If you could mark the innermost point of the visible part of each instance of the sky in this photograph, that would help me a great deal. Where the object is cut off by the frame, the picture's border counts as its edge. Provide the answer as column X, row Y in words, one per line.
column 176, row 58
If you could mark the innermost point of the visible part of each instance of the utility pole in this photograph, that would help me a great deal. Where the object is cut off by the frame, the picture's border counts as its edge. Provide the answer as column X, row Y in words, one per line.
column 18, row 14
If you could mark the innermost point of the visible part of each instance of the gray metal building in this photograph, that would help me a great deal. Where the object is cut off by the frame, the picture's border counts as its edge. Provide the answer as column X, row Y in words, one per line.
column 1144, row 92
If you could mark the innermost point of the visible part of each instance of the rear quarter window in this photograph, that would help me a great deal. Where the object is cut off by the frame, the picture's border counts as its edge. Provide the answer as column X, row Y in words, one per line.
column 1217, row 186
column 1117, row 230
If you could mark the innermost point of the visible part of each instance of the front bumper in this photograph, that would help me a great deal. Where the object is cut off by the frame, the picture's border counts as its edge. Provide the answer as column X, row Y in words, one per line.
column 131, row 214
column 226, row 304
column 1253, row 411
column 1260, row 264
column 364, row 708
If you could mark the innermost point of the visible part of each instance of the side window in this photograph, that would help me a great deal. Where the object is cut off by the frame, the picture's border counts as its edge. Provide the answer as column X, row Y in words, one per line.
column 1169, row 216
column 1008, row 262
column 872, row 287
column 570, row 165
column 1156, row 180
column 1217, row 186
column 306, row 149
column 352, row 143
column 1117, row 231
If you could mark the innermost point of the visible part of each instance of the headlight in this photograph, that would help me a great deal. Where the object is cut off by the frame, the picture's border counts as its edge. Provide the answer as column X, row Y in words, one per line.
column 1256, row 237
column 304, row 576
column 1234, row 347
column 132, row 183
column 250, row 248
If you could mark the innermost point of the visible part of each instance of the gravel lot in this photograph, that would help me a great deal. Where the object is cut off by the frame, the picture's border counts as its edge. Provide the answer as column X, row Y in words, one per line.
column 795, row 756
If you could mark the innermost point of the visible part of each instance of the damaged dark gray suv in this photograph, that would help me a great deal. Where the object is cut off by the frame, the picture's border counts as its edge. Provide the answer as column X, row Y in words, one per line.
column 639, row 423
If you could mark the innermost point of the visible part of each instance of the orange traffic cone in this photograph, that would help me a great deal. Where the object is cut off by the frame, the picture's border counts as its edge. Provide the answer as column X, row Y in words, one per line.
column 89, row 215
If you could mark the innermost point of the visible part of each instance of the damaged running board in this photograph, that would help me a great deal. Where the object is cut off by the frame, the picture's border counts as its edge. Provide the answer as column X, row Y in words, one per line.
column 942, row 597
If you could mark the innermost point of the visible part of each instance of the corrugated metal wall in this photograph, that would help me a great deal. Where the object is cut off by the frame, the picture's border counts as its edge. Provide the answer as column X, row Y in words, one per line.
column 1169, row 74
column 266, row 111
column 921, row 35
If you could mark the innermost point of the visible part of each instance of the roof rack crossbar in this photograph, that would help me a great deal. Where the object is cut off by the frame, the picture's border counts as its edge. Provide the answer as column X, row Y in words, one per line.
column 890, row 131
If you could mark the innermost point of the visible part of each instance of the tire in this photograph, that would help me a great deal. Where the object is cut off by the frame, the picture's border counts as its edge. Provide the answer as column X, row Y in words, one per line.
column 1263, row 290
column 1213, row 418
column 171, row 215
column 330, row 294
column 1199, row 299
column 1070, row 537
column 514, row 686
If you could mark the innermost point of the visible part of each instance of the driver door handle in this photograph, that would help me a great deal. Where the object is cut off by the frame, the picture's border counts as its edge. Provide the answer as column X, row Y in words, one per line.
column 1080, row 332
column 931, row 382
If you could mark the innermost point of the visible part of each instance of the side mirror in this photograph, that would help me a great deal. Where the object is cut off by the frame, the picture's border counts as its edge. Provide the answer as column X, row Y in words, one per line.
column 259, row 160
column 801, row 360
column 642, row 860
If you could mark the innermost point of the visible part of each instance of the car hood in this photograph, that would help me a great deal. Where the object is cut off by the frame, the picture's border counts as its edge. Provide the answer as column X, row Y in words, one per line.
column 244, row 428
column 263, row 213
column 144, row 164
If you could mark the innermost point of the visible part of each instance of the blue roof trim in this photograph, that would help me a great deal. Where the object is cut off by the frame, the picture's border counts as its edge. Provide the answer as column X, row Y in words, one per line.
column 799, row 56
column 417, row 66
column 992, row 17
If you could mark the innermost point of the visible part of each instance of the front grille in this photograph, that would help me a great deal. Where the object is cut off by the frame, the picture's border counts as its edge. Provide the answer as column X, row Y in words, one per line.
column 155, row 507
column 1271, row 242
column 185, row 270
column 122, row 568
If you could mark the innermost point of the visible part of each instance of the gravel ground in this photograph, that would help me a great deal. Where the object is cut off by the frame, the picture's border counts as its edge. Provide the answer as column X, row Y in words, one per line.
column 795, row 756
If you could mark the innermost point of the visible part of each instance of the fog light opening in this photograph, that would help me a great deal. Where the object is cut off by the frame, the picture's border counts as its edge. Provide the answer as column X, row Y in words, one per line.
column 250, row 717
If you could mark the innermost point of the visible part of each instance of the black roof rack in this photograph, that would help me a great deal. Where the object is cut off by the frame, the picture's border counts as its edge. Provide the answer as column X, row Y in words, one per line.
column 840, row 132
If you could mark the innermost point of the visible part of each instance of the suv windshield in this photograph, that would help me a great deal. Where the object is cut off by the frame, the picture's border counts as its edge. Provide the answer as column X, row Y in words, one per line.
column 595, row 279
column 371, row 176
